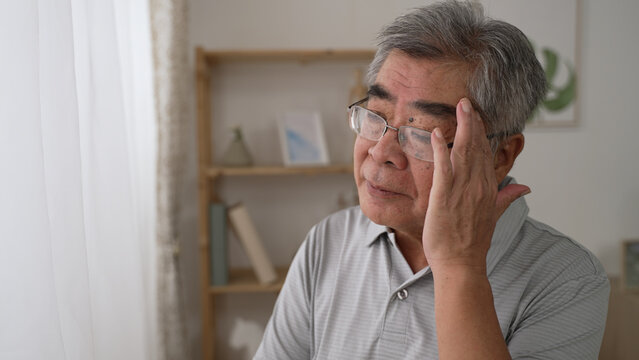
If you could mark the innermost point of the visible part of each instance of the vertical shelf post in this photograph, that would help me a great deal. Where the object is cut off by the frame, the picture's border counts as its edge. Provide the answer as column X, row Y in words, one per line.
column 203, row 75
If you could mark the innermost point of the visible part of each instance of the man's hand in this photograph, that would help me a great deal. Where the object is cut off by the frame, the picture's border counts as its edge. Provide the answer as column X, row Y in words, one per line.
column 463, row 209
column 464, row 203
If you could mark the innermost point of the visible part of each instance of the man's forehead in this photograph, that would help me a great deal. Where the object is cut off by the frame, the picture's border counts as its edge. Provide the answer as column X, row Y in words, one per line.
column 418, row 69
column 432, row 87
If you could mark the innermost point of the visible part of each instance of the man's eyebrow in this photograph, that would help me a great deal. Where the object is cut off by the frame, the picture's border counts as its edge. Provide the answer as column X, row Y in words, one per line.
column 435, row 109
column 377, row 91
column 427, row 107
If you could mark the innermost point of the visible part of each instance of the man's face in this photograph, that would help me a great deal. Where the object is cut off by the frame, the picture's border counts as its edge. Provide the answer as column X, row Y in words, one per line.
column 393, row 187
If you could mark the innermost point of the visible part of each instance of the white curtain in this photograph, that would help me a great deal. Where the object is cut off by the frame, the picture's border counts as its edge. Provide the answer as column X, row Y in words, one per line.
column 77, row 188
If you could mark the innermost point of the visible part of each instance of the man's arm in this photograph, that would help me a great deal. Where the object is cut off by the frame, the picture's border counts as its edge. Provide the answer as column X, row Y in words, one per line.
column 467, row 325
column 464, row 207
column 288, row 332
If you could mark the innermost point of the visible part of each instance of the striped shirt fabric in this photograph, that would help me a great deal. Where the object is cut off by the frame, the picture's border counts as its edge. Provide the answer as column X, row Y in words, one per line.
column 350, row 294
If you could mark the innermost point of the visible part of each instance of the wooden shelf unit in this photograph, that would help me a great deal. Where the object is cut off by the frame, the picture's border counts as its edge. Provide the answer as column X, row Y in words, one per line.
column 215, row 172
column 241, row 280
column 303, row 56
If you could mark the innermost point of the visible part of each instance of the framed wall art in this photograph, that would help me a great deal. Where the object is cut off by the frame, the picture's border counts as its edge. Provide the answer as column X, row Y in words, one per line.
column 630, row 266
column 553, row 29
column 302, row 139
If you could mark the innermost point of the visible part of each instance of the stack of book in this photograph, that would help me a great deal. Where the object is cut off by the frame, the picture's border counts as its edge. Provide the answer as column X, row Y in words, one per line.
column 242, row 225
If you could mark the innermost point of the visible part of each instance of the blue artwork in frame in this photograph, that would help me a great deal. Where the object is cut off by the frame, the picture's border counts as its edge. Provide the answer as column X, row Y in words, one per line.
column 302, row 139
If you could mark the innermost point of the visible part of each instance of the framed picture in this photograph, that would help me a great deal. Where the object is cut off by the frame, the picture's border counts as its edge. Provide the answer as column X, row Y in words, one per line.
column 553, row 29
column 630, row 266
column 302, row 139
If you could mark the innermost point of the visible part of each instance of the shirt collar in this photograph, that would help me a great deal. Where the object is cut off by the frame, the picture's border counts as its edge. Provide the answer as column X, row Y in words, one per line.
column 374, row 232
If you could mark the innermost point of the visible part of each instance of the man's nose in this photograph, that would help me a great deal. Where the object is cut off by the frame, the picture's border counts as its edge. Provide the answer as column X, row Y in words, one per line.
column 388, row 151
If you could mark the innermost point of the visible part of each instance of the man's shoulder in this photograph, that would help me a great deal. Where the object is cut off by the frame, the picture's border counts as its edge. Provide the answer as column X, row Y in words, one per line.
column 342, row 218
column 346, row 222
column 556, row 252
column 347, row 228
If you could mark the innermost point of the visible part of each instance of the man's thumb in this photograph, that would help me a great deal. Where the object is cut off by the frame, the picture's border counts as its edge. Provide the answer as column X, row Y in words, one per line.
column 508, row 194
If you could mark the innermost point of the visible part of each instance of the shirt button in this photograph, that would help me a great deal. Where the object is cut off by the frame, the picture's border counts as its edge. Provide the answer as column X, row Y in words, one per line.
column 402, row 294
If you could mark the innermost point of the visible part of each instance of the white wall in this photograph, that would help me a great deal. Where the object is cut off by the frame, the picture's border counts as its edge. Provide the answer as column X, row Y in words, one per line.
column 584, row 179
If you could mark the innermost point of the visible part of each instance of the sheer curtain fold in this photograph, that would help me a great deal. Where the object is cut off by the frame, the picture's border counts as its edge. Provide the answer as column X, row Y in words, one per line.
column 169, row 24
column 78, row 209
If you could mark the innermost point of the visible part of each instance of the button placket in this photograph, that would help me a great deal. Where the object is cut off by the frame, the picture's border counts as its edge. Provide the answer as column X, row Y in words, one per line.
column 402, row 294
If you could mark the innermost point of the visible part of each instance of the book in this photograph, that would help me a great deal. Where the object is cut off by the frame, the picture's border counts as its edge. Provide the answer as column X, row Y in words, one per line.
column 248, row 236
column 218, row 246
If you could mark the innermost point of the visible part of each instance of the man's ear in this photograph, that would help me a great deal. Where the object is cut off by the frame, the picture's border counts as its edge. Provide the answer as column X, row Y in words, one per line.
column 506, row 154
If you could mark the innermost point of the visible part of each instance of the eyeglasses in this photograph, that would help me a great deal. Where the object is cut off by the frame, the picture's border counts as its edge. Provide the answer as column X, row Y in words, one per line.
column 413, row 141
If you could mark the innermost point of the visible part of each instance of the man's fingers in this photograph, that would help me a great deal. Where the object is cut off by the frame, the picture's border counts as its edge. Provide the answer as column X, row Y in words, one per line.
column 508, row 194
column 443, row 173
column 462, row 150
column 471, row 149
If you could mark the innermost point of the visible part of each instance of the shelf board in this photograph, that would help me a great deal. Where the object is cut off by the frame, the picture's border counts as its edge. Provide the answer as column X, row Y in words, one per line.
column 243, row 280
column 289, row 54
column 216, row 171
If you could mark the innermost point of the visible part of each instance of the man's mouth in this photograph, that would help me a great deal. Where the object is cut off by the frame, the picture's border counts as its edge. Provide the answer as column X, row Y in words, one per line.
column 380, row 191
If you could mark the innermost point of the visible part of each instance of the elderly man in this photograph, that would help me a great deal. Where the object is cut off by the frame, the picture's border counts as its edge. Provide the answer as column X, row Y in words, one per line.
column 440, row 260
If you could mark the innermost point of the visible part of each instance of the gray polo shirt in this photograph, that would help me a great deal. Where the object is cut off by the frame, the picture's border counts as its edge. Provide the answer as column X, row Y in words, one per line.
column 350, row 294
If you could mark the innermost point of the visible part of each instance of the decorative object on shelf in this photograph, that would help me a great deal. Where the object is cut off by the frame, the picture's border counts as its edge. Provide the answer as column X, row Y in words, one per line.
column 302, row 139
column 219, row 253
column 252, row 243
column 237, row 153
column 630, row 266
column 359, row 90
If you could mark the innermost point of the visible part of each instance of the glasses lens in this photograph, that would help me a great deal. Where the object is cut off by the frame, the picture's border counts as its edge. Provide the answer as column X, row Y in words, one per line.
column 367, row 124
column 416, row 143
column 354, row 118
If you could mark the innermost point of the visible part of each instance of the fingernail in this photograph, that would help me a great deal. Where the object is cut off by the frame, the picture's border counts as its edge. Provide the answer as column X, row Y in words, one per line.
column 438, row 133
column 465, row 106
column 526, row 192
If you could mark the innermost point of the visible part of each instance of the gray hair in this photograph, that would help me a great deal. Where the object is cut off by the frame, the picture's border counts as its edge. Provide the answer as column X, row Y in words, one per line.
column 505, row 80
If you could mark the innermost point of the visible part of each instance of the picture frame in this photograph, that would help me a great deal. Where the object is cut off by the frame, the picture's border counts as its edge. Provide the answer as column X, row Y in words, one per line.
column 630, row 266
column 302, row 139
column 553, row 28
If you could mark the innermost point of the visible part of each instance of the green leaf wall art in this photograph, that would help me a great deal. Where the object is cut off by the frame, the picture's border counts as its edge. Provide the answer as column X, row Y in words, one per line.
column 553, row 29
column 561, row 94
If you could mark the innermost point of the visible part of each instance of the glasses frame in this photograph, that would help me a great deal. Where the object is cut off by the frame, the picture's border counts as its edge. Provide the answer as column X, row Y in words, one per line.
column 386, row 126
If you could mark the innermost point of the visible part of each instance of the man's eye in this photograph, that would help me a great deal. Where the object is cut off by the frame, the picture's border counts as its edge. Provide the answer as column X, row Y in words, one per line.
column 372, row 116
column 419, row 137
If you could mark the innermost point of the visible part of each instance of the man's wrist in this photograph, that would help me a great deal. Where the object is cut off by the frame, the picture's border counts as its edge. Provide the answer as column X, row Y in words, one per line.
column 460, row 270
